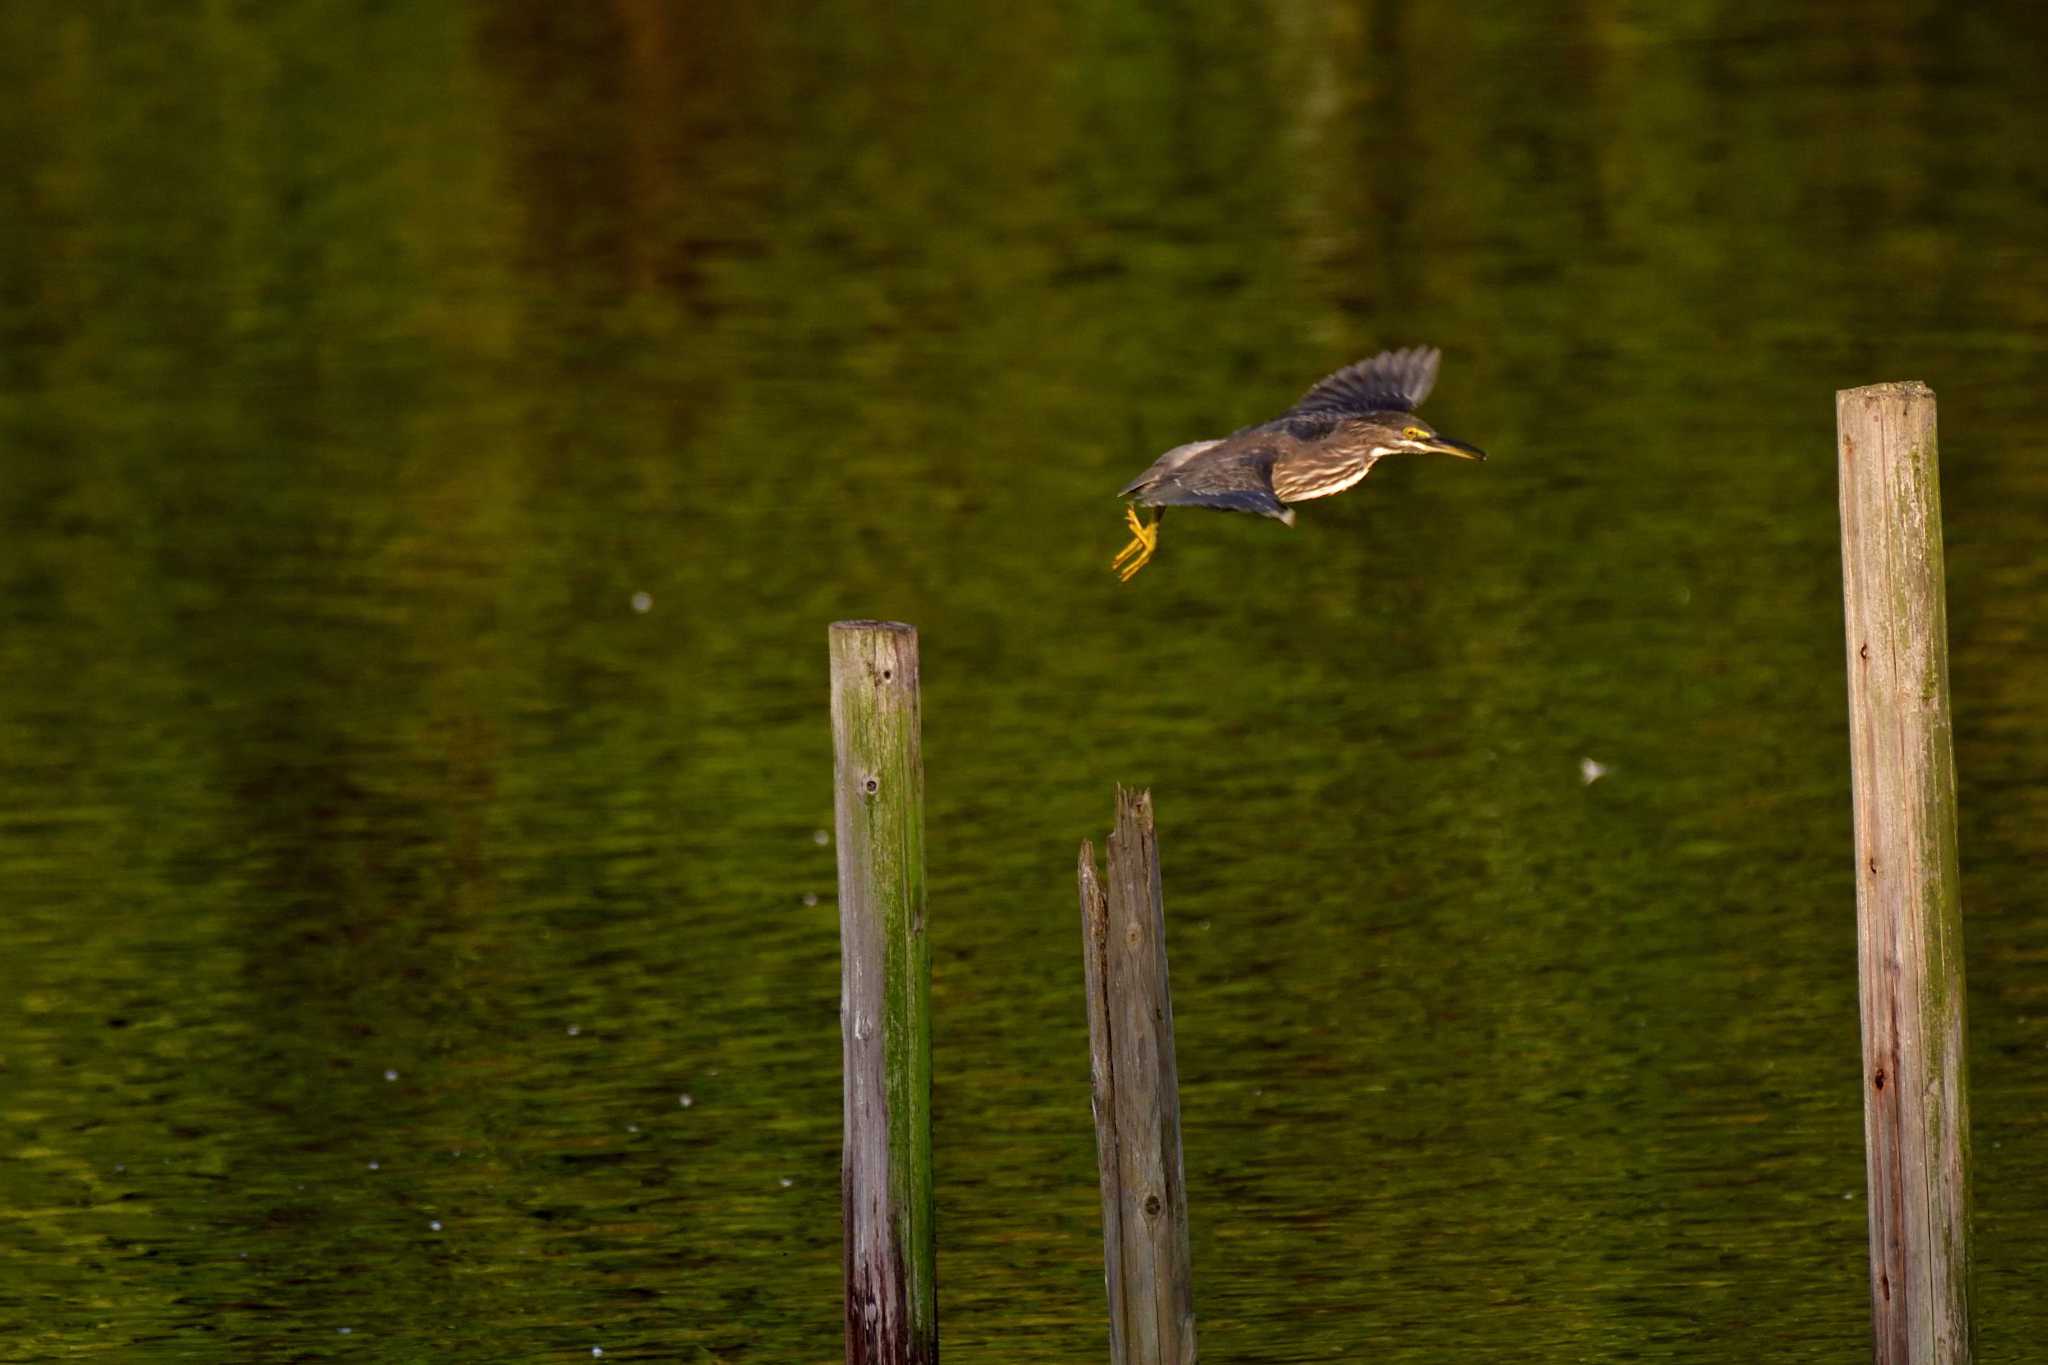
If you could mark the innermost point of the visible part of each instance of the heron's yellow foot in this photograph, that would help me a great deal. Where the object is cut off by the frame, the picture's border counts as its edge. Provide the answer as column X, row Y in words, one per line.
column 1137, row 554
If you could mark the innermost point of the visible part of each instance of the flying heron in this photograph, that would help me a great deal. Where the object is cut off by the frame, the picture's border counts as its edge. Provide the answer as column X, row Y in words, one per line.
column 1322, row 445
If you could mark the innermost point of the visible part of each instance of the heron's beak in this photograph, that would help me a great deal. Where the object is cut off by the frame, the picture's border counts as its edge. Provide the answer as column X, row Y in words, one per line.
column 1444, row 445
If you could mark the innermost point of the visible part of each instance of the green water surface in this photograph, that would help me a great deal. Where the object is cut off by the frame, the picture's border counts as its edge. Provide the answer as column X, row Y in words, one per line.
column 435, row 436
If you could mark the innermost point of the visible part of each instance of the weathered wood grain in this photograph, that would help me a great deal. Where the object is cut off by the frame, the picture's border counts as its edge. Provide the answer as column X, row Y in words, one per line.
column 1908, row 908
column 1156, row 1307
column 885, row 997
column 1102, row 1089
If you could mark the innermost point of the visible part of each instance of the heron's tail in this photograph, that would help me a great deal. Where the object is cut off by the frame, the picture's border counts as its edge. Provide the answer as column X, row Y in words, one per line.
column 1166, row 464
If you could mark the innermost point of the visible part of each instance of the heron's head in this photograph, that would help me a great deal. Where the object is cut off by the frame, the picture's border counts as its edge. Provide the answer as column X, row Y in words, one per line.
column 1406, row 433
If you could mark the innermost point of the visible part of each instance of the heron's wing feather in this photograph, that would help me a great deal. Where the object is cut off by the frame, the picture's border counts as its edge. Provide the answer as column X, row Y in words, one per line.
column 1166, row 464
column 1256, row 500
column 1392, row 381
column 1236, row 480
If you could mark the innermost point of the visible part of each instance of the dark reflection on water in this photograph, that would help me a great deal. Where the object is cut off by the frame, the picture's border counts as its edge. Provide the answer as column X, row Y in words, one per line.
column 408, row 934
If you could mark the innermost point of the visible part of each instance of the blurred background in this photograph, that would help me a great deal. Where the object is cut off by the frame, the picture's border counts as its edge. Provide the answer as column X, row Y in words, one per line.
column 434, row 438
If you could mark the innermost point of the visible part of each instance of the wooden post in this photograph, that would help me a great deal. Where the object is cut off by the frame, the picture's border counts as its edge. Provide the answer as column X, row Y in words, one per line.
column 885, row 996
column 1136, row 1096
column 1916, row 1121
column 1102, row 1090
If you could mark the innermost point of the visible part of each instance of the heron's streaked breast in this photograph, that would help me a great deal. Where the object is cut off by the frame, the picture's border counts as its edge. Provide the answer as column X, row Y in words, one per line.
column 1318, row 477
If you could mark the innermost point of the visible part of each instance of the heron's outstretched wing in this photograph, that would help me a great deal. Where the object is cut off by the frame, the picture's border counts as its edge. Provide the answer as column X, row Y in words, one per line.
column 1392, row 381
column 1232, row 477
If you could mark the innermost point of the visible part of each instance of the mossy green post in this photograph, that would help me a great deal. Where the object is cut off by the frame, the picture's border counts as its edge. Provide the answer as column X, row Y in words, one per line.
column 892, row 1313
column 1916, row 1116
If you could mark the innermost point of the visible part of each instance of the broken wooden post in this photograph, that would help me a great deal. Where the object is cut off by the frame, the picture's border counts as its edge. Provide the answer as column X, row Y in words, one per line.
column 892, row 1313
column 1136, row 1097
column 1916, row 1121
column 1102, row 1090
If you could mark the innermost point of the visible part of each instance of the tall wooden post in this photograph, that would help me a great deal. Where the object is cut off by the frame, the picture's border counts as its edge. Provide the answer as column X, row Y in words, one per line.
column 892, row 1315
column 1136, row 1095
column 1916, row 1120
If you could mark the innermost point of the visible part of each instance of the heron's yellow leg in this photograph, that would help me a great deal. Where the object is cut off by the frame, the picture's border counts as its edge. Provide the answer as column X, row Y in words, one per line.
column 1143, row 541
column 1137, row 554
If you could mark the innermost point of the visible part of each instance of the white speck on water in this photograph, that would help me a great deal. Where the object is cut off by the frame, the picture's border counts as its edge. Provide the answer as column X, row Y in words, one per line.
column 686, row 1099
column 434, row 1226
column 389, row 1074
column 1591, row 770
column 632, row 1127
column 787, row 1182
column 376, row 1165
column 597, row 1350
column 642, row 602
column 810, row 898
column 343, row 1331
column 820, row 837
column 120, row 1166
column 575, row 1029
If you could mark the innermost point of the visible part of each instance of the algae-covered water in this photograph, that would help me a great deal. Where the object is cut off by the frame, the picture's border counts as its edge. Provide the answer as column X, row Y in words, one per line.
column 435, row 437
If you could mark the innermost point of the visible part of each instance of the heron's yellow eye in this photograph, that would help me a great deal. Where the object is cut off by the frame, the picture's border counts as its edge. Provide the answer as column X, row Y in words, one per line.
column 1414, row 433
